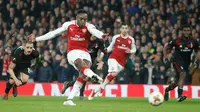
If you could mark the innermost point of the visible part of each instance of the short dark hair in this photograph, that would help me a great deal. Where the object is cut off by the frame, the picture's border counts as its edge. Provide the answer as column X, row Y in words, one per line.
column 186, row 26
column 81, row 11
column 124, row 24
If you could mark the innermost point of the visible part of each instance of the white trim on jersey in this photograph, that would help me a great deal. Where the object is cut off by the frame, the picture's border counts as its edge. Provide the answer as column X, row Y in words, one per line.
column 92, row 29
column 55, row 32
column 133, row 46
column 110, row 47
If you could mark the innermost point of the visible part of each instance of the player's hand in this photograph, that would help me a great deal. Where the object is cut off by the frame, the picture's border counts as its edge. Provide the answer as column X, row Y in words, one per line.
column 100, row 65
column 31, row 37
column 128, row 50
column 18, row 82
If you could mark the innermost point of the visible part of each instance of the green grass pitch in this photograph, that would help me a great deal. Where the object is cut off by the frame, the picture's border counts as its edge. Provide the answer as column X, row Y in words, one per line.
column 101, row 104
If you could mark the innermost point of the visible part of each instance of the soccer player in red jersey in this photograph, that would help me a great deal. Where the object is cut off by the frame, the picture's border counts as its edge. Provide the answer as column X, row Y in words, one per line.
column 122, row 46
column 79, row 32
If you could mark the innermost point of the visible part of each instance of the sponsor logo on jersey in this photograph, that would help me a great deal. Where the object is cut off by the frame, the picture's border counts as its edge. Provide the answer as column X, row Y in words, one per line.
column 84, row 30
column 77, row 38
column 14, row 59
column 191, row 45
column 129, row 42
column 123, row 46
column 70, row 29
column 185, row 50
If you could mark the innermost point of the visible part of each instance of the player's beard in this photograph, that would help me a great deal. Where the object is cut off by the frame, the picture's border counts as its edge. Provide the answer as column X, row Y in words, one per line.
column 27, row 52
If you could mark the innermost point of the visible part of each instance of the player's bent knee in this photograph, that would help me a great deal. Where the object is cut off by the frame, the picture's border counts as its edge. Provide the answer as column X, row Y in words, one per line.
column 79, row 63
column 24, row 77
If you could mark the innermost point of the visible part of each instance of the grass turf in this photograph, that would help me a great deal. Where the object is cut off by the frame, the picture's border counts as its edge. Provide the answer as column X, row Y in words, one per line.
column 54, row 104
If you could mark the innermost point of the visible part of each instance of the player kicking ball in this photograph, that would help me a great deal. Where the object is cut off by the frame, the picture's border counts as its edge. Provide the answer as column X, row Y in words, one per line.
column 121, row 46
column 184, row 47
column 78, row 32
column 96, row 46
column 19, row 67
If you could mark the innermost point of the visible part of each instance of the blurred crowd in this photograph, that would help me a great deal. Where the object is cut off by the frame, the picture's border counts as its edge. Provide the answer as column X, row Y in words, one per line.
column 153, row 23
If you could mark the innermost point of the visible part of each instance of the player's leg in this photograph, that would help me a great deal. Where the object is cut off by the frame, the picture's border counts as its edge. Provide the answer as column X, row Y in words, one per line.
column 113, row 69
column 79, row 81
column 24, row 79
column 171, row 86
column 67, row 85
column 82, row 91
column 180, row 71
column 84, row 68
column 76, row 88
column 9, row 85
column 180, row 87
column 79, row 59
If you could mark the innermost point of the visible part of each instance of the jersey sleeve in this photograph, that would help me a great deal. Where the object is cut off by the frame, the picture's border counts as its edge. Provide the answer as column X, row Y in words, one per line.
column 171, row 43
column 101, row 45
column 196, row 45
column 92, row 29
column 133, row 47
column 16, row 54
column 54, row 33
column 35, row 54
column 110, row 47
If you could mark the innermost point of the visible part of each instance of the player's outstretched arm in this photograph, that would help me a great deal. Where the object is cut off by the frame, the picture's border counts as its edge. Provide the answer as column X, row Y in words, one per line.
column 167, row 49
column 51, row 34
column 97, row 33
column 110, row 47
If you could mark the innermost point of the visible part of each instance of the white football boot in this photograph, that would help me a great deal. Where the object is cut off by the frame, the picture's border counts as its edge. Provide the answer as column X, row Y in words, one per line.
column 69, row 102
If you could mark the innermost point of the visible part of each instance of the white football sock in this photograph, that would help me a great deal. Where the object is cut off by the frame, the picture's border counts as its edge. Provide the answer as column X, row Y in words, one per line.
column 76, row 88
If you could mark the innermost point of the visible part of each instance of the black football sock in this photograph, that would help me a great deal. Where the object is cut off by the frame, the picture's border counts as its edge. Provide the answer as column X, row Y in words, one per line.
column 82, row 89
column 71, row 83
column 180, row 91
column 170, row 87
column 8, row 87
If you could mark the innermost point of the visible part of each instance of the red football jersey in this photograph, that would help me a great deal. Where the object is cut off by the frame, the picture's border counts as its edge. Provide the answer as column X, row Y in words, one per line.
column 77, row 37
column 120, row 45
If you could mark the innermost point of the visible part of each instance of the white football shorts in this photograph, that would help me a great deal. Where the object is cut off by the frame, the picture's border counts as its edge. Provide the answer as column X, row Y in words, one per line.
column 114, row 66
column 75, row 54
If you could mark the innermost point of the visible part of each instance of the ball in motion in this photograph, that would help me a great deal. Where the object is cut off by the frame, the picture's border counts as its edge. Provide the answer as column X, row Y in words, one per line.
column 156, row 98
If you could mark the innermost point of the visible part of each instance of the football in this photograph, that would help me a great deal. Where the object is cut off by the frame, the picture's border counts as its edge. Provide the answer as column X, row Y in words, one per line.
column 156, row 98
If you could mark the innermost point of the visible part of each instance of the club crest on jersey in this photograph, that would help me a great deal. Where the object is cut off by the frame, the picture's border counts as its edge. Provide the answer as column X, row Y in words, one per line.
column 84, row 30
column 129, row 42
column 191, row 45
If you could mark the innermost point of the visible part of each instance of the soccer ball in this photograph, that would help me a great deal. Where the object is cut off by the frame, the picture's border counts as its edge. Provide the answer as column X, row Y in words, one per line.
column 156, row 98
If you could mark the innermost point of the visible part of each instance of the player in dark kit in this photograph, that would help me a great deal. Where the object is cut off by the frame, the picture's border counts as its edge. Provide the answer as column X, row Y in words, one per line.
column 93, row 48
column 183, row 47
column 19, row 67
